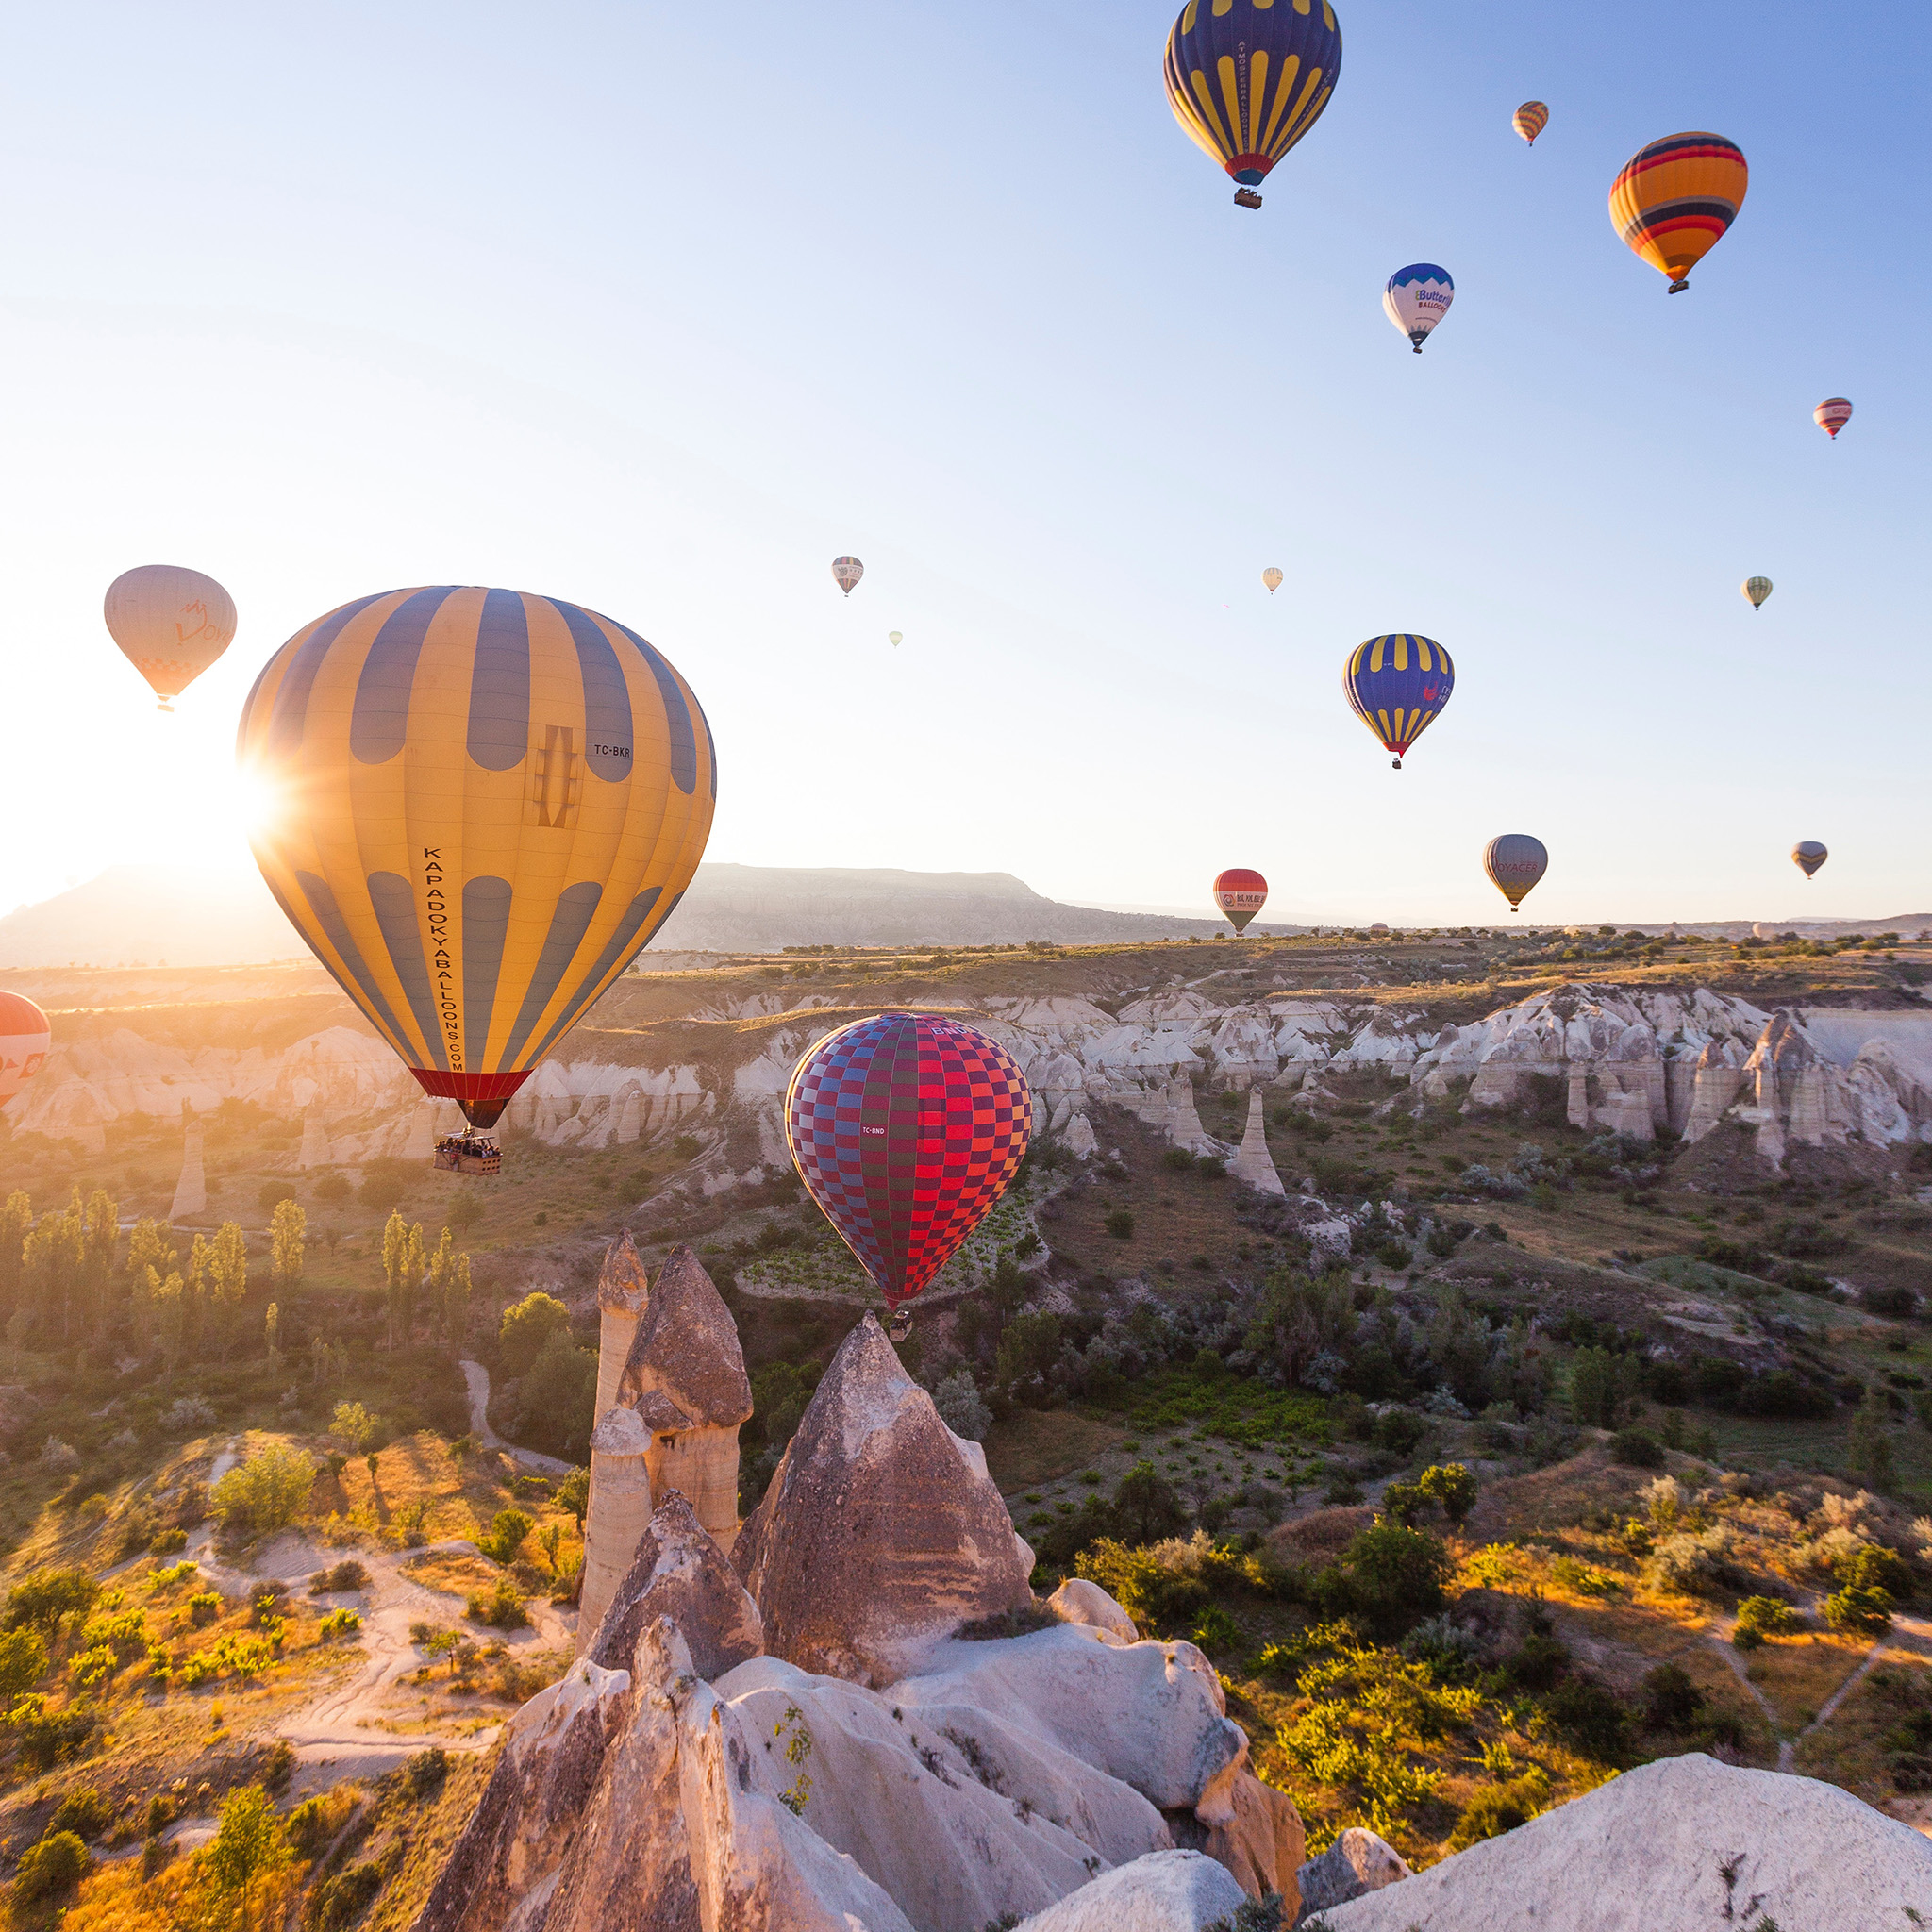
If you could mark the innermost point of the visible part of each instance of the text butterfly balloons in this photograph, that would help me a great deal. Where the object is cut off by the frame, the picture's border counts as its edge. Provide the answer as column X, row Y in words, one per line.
column 906, row 1128
column 1416, row 299
column 485, row 805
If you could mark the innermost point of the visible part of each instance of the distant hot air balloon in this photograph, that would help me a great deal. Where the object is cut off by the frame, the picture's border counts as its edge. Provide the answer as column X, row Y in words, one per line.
column 1514, row 863
column 1417, row 299
column 25, row 1037
column 1807, row 855
column 1530, row 120
column 896, row 637
column 1758, row 590
column 171, row 623
column 846, row 572
column 906, row 1128
column 1396, row 684
column 1241, row 894
column 486, row 803
column 1832, row 414
column 1674, row 200
column 1247, row 79
column 1272, row 577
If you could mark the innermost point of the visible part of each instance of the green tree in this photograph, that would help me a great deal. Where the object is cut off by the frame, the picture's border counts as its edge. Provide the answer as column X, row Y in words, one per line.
column 1031, row 1345
column 22, row 1662
column 227, row 1281
column 265, row 1493
column 272, row 1332
column 100, row 1236
column 148, row 1246
column 524, row 1328
column 1869, row 1449
column 1146, row 1506
column 508, row 1529
column 249, row 1845
column 51, row 1868
column 573, row 1494
column 287, row 1232
column 51, row 1260
column 402, row 1270
column 1601, row 1387
column 449, row 1291
column 194, row 1297
column 170, row 1300
column 44, row 1599
column 1395, row 1577
column 558, row 1397
column 354, row 1427
column 1452, row 1486
column 16, row 1224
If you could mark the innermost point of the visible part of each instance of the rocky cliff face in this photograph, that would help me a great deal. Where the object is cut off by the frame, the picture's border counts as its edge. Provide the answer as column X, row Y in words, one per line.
column 880, row 1533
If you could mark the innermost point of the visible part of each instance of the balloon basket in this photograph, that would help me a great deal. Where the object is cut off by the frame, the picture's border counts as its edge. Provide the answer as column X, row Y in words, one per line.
column 466, row 1153
column 900, row 1327
column 1246, row 197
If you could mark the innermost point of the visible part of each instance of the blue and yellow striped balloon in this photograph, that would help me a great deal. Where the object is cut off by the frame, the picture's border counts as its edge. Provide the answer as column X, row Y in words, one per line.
column 1247, row 79
column 1396, row 685
column 482, row 805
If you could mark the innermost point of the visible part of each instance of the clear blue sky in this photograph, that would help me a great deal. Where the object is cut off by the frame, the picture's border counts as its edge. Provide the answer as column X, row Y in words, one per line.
column 659, row 308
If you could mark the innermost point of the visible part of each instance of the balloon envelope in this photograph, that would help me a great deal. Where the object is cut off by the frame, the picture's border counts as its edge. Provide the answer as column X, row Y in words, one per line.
column 171, row 623
column 896, row 636
column 1247, row 79
column 485, row 805
column 1240, row 893
column 1530, row 120
column 1396, row 685
column 25, row 1037
column 1807, row 855
column 906, row 1128
column 846, row 572
column 1417, row 299
column 1514, row 863
column 1674, row 200
column 1757, row 589
column 1832, row 414
column 1272, row 577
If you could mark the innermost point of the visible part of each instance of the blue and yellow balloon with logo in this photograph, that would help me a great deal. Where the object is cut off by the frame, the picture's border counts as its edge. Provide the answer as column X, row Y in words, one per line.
column 1396, row 685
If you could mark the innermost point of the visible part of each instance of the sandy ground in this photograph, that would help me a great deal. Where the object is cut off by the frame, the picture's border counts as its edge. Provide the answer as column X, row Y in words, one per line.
column 369, row 1722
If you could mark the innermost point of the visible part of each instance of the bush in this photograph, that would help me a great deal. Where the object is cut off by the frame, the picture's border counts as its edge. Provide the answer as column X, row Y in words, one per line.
column 1119, row 1223
column 342, row 1900
column 22, row 1662
column 1392, row 1577
column 503, row 1609
column 508, row 1529
column 346, row 1575
column 525, row 1328
column 84, row 1812
column 44, row 1738
column 962, row 1407
column 1635, row 1449
column 168, row 1542
column 47, row 1598
column 423, row 1774
column 339, row 1622
column 1593, row 1720
column 266, row 1493
column 1600, row 1385
column 557, row 1399
column 1859, row 1610
column 1496, row 1808
column 1873, row 1566
column 51, row 1868
column 1452, row 1486
column 1671, row 1702
column 1760, row 1617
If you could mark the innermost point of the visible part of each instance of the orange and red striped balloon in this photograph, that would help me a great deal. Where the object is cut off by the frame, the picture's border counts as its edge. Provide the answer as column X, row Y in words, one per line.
column 1675, row 198
column 1832, row 414
column 1530, row 120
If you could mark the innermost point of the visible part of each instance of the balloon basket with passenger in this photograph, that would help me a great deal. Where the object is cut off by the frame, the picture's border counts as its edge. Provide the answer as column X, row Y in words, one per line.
column 468, row 1153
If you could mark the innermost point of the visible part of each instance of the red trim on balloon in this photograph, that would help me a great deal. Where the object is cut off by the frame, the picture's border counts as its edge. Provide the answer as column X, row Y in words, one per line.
column 470, row 1087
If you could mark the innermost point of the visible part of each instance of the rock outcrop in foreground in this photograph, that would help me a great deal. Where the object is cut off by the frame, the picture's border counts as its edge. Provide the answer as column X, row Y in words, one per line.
column 880, row 1533
column 1683, row 1845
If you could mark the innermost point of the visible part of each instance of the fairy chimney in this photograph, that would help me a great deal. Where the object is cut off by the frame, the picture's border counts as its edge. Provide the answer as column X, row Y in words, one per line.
column 315, row 1149
column 1254, row 1164
column 685, row 1378
column 191, row 1191
column 622, row 1290
column 616, row 1516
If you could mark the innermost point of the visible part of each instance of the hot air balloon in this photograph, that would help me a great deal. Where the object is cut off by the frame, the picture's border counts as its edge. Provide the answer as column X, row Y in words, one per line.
column 1530, row 120
column 1832, row 414
column 1807, row 855
column 1396, row 684
column 1247, row 79
column 1675, row 199
column 896, row 637
column 485, row 805
column 1417, row 299
column 171, row 624
column 1241, row 894
column 846, row 572
column 1514, row 863
column 906, row 1128
column 25, row 1037
column 1272, row 577
column 1758, row 590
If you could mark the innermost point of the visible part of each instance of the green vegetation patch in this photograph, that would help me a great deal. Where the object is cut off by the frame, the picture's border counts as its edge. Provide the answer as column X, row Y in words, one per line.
column 1244, row 1411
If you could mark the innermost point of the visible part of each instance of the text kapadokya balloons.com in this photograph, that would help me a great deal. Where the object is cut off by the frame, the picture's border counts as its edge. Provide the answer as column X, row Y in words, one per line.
column 1396, row 685
column 1530, row 120
column 906, row 1128
column 1416, row 299
column 1515, row 863
column 1832, row 414
column 1757, row 589
column 846, row 572
column 1247, row 79
column 482, row 805
column 1807, row 855
column 171, row 623
column 1675, row 199
column 1241, row 894
column 25, row 1037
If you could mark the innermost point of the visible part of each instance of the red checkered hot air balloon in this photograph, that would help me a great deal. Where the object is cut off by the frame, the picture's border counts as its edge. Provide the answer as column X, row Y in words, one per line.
column 906, row 1128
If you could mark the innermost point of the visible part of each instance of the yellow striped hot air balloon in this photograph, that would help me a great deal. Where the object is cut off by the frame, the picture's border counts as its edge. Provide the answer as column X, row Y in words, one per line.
column 1530, row 120
column 484, row 804
column 1674, row 200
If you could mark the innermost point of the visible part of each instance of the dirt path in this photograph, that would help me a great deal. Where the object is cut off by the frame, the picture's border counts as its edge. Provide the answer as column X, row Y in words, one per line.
column 477, row 1378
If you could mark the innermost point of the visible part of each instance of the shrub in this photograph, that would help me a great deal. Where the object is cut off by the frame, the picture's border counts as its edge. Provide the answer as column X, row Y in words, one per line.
column 266, row 1493
column 1694, row 1564
column 84, row 1812
column 1873, row 1566
column 1671, row 1702
column 503, row 1609
column 203, row 1606
column 44, row 1738
column 423, row 1774
column 557, row 1399
column 51, row 1868
column 1496, row 1808
column 1451, row 1651
column 347, row 1574
column 339, row 1622
column 1760, row 1617
column 508, row 1529
column 168, row 1542
column 1391, row 1575
column 962, row 1406
column 1859, row 1609
column 1452, row 1486
column 1600, row 1385
column 1119, row 1223
column 1635, row 1449
column 339, row 1900
column 1594, row 1720
column 187, row 1415
column 44, row 1599
column 22, row 1662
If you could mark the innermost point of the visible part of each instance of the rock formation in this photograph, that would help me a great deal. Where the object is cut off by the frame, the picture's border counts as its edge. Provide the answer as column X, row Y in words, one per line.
column 314, row 1151
column 1080, row 1601
column 1253, row 1163
column 1165, row 1892
column 1680, row 1845
column 191, row 1191
column 877, row 1536
column 1357, row 1862
column 680, row 1573
column 677, row 1394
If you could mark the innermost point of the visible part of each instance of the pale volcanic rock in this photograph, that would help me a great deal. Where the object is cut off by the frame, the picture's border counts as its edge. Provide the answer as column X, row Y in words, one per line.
column 1081, row 1142
column 1259, row 1841
column 1150, row 1715
column 875, row 1539
column 1357, row 1862
column 617, row 1515
column 685, row 1376
column 191, row 1191
column 623, row 1287
column 1253, row 1163
column 1718, row 1076
column 1165, row 1892
column 1080, row 1601
column 680, row 1573
column 315, row 1151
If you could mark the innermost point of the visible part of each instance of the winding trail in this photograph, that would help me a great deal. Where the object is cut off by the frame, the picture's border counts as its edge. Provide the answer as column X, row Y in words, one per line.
column 476, row 1378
